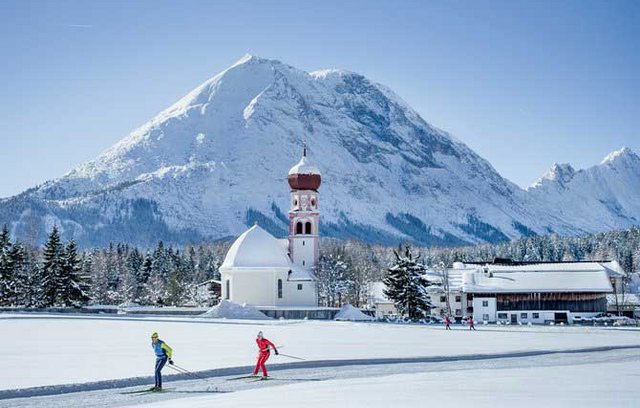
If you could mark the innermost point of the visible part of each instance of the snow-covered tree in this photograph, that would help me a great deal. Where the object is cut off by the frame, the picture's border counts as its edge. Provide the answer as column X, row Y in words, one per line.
column 53, row 280
column 332, row 272
column 7, row 285
column 73, row 291
column 18, row 293
column 405, row 285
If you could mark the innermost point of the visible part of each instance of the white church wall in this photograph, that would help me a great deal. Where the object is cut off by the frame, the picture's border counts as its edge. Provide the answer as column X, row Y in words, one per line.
column 255, row 287
column 304, row 250
column 301, row 293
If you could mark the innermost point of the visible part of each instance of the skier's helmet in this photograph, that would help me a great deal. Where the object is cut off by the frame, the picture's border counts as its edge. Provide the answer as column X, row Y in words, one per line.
column 154, row 335
column 259, row 334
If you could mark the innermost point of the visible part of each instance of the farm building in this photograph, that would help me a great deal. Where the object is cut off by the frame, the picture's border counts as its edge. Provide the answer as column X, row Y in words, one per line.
column 525, row 292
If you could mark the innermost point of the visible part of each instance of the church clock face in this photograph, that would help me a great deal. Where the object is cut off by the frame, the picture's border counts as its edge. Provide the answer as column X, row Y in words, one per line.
column 303, row 201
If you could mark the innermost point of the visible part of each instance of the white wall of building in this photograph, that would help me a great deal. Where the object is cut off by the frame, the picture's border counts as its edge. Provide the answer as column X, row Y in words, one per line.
column 457, row 301
column 484, row 309
column 254, row 287
column 259, row 287
column 385, row 309
column 300, row 293
column 303, row 248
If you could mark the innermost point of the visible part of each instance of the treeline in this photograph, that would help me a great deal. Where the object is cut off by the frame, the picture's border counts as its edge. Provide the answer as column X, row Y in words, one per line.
column 61, row 275
column 622, row 246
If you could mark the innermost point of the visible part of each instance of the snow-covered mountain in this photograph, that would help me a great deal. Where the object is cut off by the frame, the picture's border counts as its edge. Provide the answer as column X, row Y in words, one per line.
column 605, row 196
column 217, row 161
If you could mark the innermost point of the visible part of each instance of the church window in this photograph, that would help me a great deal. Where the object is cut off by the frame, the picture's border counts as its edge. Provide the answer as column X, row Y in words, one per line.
column 302, row 263
column 302, row 243
column 299, row 286
column 227, row 289
column 279, row 288
column 313, row 202
column 299, row 227
column 307, row 228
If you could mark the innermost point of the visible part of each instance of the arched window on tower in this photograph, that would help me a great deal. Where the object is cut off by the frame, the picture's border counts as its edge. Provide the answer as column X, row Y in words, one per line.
column 307, row 228
column 299, row 227
column 227, row 289
column 313, row 202
column 279, row 288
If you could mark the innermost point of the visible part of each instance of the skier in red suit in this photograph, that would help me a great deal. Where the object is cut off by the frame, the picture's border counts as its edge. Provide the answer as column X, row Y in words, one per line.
column 472, row 326
column 264, row 351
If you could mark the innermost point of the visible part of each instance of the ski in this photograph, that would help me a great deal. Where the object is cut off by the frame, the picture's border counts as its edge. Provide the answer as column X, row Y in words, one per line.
column 242, row 378
column 286, row 379
column 145, row 391
column 262, row 379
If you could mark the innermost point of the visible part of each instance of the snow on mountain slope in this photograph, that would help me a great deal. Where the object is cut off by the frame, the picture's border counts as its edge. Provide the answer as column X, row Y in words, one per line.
column 605, row 196
column 217, row 160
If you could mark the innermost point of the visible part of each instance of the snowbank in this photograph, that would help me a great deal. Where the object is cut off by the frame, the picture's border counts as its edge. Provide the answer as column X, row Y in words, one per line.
column 229, row 310
column 353, row 314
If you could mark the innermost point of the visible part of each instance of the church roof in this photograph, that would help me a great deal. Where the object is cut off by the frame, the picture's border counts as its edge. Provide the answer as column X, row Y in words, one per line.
column 256, row 248
column 304, row 167
column 300, row 274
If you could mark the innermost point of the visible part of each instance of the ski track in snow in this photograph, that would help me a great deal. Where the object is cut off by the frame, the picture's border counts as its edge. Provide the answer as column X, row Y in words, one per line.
column 109, row 393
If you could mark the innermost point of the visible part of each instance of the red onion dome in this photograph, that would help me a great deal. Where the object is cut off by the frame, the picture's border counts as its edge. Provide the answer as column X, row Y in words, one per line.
column 304, row 176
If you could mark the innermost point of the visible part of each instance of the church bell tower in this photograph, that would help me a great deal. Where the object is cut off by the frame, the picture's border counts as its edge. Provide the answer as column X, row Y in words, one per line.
column 304, row 217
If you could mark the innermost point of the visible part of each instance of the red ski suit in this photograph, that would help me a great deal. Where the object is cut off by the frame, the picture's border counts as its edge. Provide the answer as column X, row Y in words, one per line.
column 264, row 352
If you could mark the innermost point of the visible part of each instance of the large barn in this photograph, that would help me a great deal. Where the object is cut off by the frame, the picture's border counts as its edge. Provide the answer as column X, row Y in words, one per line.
column 527, row 292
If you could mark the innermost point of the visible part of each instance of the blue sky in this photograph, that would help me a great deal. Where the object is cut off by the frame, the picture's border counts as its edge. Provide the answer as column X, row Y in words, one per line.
column 525, row 84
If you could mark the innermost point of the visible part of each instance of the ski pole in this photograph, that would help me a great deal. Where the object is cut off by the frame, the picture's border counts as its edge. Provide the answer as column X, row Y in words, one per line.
column 183, row 370
column 286, row 355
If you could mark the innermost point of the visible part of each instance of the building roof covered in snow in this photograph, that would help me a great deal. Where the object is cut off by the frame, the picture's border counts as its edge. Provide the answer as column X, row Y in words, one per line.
column 304, row 175
column 550, row 281
column 612, row 268
column 299, row 274
column 256, row 248
column 304, row 167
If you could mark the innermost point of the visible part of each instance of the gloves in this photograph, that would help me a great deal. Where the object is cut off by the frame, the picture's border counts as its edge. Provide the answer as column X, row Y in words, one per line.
column 170, row 361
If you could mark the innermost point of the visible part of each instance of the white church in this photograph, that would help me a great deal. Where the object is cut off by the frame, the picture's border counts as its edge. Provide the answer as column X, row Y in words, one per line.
column 262, row 270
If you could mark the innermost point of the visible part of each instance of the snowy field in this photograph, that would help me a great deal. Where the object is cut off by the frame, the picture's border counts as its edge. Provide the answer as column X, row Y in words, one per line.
column 554, row 386
column 46, row 350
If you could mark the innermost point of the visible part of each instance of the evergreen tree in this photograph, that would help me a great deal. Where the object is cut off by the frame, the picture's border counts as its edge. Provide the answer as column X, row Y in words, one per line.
column 5, row 237
column 15, row 292
column 73, row 291
column 53, row 279
column 39, row 295
column 143, row 281
column 405, row 285
column 177, row 282
column 136, row 274
column 6, row 267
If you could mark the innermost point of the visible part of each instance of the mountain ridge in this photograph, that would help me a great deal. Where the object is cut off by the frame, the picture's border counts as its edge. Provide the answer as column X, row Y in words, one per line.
column 216, row 161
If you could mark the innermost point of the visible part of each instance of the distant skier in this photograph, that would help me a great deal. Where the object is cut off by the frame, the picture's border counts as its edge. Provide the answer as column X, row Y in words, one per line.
column 472, row 326
column 264, row 351
column 447, row 323
column 163, row 353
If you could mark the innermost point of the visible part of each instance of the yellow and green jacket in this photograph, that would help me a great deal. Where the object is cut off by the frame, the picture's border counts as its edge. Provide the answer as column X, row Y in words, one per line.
column 162, row 349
